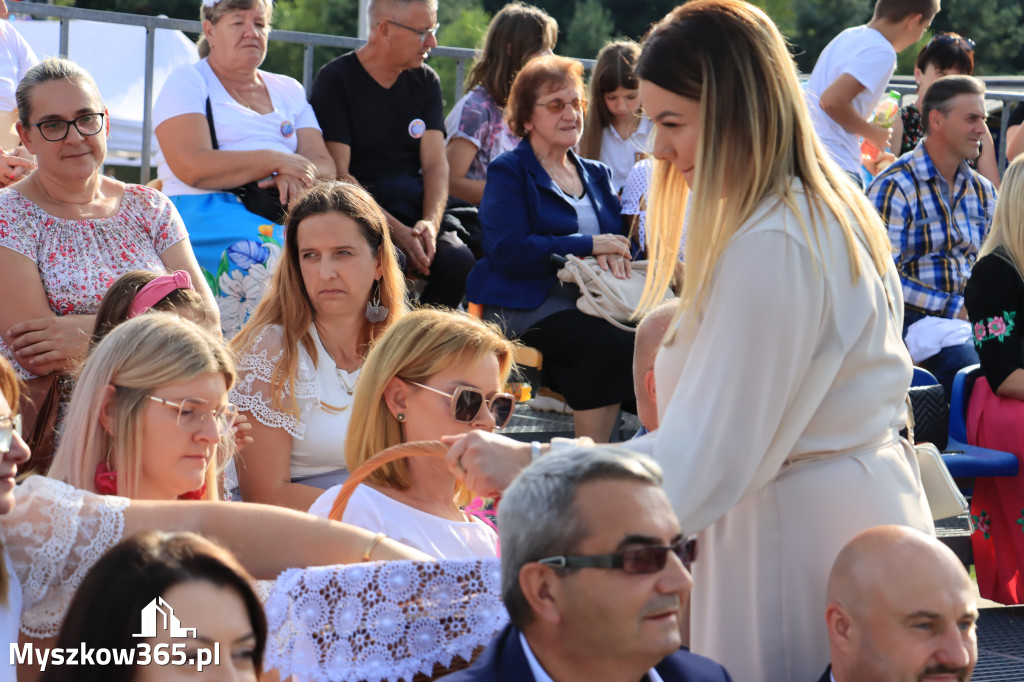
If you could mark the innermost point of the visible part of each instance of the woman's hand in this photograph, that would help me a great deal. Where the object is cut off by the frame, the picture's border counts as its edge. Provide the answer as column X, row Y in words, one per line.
column 242, row 431
column 610, row 245
column 14, row 165
column 51, row 344
column 619, row 265
column 612, row 253
column 486, row 462
column 287, row 186
column 296, row 166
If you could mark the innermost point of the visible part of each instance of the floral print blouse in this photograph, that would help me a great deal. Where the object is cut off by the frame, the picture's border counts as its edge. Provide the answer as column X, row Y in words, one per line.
column 478, row 119
column 78, row 260
column 994, row 297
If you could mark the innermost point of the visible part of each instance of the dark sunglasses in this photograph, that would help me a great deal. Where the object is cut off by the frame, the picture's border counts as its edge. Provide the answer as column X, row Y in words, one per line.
column 557, row 106
column 634, row 561
column 948, row 38
column 467, row 403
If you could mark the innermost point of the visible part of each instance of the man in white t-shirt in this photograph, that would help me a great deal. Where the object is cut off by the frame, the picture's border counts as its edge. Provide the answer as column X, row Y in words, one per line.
column 852, row 72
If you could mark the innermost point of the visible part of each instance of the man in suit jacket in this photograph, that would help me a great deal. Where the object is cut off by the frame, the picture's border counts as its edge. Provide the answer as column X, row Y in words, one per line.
column 901, row 607
column 594, row 575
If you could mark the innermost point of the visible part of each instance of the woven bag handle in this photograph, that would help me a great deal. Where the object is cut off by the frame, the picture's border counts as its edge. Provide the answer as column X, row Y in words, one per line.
column 419, row 448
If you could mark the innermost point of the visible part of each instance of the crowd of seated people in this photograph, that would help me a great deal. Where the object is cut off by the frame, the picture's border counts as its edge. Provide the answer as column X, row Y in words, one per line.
column 294, row 351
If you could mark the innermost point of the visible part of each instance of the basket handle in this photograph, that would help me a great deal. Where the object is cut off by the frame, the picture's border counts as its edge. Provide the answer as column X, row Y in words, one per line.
column 419, row 448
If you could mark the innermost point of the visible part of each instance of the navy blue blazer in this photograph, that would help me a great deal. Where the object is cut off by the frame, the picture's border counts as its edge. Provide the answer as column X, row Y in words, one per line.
column 525, row 219
column 505, row 661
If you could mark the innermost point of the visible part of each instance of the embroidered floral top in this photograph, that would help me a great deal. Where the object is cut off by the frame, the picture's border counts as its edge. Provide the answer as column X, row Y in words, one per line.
column 478, row 119
column 995, row 298
column 78, row 260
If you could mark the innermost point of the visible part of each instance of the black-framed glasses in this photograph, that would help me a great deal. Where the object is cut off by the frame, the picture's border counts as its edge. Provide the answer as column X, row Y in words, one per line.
column 422, row 34
column 56, row 129
column 192, row 414
column 634, row 561
column 557, row 106
column 8, row 426
column 948, row 38
column 466, row 403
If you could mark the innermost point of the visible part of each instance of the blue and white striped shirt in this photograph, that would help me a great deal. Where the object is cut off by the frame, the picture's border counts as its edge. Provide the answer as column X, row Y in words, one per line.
column 936, row 244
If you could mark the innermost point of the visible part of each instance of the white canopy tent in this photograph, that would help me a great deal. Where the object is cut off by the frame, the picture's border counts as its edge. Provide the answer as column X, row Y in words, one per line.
column 115, row 55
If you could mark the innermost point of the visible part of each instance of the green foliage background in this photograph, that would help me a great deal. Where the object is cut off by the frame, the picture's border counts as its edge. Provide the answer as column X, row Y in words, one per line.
column 997, row 26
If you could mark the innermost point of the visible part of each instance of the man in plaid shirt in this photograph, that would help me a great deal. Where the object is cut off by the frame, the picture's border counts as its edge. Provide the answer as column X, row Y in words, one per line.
column 938, row 211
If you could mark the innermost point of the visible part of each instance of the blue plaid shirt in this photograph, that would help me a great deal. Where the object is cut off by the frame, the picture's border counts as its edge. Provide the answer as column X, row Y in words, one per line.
column 935, row 245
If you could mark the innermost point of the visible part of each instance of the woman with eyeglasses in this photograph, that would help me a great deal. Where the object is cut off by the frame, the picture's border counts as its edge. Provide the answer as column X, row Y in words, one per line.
column 224, row 124
column 431, row 374
column 945, row 54
column 338, row 287
column 150, row 417
column 542, row 201
column 67, row 232
column 52, row 533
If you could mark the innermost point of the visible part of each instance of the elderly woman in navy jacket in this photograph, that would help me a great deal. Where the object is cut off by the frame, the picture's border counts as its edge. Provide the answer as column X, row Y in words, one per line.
column 540, row 200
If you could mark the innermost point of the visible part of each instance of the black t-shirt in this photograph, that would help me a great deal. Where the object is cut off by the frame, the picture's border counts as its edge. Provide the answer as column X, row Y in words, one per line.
column 1017, row 114
column 994, row 297
column 383, row 126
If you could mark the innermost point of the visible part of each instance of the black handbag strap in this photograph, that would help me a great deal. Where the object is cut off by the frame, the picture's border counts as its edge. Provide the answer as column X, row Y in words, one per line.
column 209, row 121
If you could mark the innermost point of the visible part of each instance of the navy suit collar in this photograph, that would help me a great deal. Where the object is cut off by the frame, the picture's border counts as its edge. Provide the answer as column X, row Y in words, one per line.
column 524, row 150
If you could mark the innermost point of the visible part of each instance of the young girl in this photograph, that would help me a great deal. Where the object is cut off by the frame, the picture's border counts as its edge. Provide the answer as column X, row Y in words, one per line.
column 615, row 130
column 137, row 291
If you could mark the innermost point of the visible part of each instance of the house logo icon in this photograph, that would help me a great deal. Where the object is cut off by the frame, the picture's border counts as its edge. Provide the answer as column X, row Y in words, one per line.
column 158, row 611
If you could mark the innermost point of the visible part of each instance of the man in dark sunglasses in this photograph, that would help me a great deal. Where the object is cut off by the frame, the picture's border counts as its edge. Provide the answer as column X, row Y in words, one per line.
column 594, row 576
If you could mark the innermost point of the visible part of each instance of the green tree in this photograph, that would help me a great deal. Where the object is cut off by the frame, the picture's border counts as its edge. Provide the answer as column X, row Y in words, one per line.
column 332, row 17
column 997, row 26
column 463, row 24
column 591, row 27
column 817, row 22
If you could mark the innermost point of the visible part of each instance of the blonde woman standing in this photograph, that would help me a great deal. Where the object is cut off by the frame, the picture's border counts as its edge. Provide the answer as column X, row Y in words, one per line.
column 781, row 383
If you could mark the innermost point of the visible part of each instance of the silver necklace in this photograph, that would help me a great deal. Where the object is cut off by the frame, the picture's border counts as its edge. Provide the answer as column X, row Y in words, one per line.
column 572, row 180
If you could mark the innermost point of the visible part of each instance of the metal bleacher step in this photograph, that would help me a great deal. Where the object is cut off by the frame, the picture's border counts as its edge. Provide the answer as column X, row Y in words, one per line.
column 528, row 425
column 955, row 533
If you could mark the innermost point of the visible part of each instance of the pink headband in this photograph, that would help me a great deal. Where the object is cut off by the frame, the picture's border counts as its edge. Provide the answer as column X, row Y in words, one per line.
column 157, row 290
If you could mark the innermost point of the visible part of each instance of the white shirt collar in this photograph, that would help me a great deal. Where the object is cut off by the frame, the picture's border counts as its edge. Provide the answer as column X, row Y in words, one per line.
column 539, row 674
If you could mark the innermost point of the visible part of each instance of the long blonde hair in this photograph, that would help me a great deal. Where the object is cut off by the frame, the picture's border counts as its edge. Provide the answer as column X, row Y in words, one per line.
column 1007, row 228
column 415, row 348
column 137, row 357
column 756, row 137
column 286, row 302
column 10, row 387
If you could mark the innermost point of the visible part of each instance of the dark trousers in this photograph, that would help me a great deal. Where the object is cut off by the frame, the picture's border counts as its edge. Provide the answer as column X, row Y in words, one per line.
column 402, row 197
column 948, row 361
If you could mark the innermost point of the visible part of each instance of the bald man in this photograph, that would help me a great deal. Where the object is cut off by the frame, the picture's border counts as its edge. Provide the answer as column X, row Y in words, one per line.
column 901, row 609
column 649, row 334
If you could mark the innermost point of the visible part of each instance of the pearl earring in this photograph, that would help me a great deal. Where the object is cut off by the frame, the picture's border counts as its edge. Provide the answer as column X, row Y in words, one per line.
column 400, row 416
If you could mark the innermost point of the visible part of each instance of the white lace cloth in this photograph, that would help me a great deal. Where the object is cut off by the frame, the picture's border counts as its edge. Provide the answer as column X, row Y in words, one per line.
column 318, row 432
column 54, row 535
column 381, row 621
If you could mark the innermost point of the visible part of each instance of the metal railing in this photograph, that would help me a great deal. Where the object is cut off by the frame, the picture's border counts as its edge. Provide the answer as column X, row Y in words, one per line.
column 461, row 55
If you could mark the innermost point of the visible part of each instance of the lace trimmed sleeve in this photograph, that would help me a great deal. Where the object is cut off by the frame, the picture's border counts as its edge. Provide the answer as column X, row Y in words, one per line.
column 387, row 620
column 252, row 392
column 54, row 535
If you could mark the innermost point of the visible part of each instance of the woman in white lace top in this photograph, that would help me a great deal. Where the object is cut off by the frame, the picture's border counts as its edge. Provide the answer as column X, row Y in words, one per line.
column 150, row 417
column 52, row 533
column 338, row 287
column 432, row 374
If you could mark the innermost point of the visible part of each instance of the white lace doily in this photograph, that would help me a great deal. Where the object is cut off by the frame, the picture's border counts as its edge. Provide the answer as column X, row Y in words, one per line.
column 380, row 621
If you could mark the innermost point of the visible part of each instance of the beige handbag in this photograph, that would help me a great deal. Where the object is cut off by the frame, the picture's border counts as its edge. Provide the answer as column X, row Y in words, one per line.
column 602, row 294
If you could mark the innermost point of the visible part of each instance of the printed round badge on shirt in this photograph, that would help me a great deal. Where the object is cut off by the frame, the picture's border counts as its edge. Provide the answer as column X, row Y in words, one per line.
column 287, row 128
column 417, row 128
